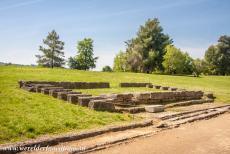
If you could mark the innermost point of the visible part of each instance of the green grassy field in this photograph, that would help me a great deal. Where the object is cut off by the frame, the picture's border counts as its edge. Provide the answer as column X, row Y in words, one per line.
column 26, row 115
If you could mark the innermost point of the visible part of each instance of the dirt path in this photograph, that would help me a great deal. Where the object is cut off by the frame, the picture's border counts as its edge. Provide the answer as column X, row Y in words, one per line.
column 207, row 136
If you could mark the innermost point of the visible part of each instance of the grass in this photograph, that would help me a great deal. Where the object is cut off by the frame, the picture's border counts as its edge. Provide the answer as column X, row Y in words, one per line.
column 26, row 115
column 116, row 90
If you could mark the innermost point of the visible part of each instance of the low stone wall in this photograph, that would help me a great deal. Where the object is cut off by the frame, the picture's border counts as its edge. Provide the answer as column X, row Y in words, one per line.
column 153, row 97
column 133, row 84
column 67, row 85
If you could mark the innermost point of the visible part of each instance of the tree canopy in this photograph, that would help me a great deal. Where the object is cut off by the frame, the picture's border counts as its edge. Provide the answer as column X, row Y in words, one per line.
column 176, row 61
column 84, row 60
column 147, row 49
column 218, row 56
column 53, row 55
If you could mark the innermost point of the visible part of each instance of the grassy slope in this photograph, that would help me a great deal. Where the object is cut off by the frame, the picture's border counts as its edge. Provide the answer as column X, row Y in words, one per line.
column 26, row 115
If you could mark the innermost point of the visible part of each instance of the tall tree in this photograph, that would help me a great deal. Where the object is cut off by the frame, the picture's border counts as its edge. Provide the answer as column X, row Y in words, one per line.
column 150, row 43
column 218, row 56
column 85, row 59
column 176, row 61
column 53, row 55
column 120, row 62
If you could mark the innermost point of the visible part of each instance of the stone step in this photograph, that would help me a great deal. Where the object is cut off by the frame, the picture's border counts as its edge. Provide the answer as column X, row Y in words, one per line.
column 74, row 98
column 84, row 100
column 45, row 90
column 63, row 94
column 54, row 92
column 205, row 115
column 102, row 105
column 154, row 108
column 38, row 87
column 190, row 102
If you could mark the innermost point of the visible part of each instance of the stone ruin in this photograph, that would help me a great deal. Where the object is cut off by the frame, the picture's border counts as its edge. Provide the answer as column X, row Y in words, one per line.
column 125, row 102
column 67, row 85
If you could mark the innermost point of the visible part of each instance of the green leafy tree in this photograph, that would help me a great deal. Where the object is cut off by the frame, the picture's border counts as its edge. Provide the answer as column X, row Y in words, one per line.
column 73, row 63
column 218, row 56
column 134, row 61
column 188, row 64
column 150, row 44
column 199, row 66
column 85, row 59
column 107, row 69
column 174, row 60
column 120, row 62
column 211, row 57
column 53, row 55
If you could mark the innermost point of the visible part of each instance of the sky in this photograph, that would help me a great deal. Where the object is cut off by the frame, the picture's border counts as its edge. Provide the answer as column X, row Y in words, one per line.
column 192, row 24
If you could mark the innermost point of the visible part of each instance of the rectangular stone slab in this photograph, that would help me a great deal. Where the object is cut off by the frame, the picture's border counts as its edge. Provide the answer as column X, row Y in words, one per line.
column 154, row 108
column 84, row 100
column 53, row 92
column 63, row 95
column 101, row 105
column 74, row 98
column 46, row 89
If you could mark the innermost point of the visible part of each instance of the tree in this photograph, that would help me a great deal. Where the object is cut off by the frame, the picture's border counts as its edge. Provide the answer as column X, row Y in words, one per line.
column 211, row 57
column 73, row 63
column 134, row 61
column 218, row 56
column 174, row 60
column 188, row 64
column 53, row 55
column 149, row 46
column 85, row 59
column 224, row 55
column 199, row 66
column 107, row 69
column 120, row 62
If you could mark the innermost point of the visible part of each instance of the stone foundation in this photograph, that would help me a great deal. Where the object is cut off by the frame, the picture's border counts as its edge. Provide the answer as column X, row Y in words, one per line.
column 131, row 102
column 67, row 85
column 134, row 84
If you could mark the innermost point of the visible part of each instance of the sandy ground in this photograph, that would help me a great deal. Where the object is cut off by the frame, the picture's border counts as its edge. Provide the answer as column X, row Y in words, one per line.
column 203, row 137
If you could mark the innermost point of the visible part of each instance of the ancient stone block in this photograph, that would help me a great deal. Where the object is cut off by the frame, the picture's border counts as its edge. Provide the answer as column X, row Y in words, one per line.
column 101, row 105
column 53, row 92
column 149, row 86
column 154, row 108
column 157, row 86
column 172, row 88
column 63, row 95
column 164, row 88
column 28, row 88
column 45, row 90
column 84, row 100
column 74, row 98
column 209, row 95
column 38, row 87
column 133, row 84
column 142, row 96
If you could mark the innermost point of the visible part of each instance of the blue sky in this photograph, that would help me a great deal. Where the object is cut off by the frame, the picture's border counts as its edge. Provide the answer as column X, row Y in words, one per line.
column 192, row 24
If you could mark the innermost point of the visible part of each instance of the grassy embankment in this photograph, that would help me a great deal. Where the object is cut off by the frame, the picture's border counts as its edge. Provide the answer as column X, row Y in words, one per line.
column 26, row 115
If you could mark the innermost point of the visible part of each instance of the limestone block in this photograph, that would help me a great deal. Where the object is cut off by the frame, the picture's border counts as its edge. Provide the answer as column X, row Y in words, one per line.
column 63, row 95
column 53, row 92
column 154, row 108
column 101, row 105
column 45, row 90
column 74, row 98
column 164, row 88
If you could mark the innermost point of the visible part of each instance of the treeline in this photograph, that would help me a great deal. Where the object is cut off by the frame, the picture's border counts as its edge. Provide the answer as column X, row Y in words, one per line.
column 53, row 53
column 153, row 51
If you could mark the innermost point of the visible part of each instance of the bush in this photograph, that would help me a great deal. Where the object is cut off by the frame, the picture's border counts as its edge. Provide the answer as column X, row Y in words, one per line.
column 107, row 69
